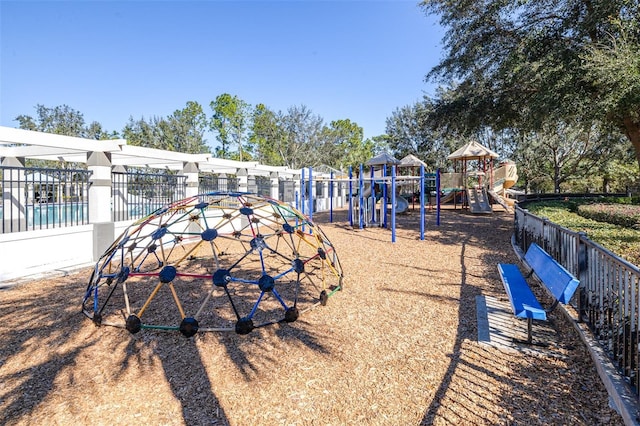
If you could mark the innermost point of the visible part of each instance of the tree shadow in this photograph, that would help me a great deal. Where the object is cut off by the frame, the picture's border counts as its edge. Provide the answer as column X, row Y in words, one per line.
column 465, row 292
column 525, row 382
column 48, row 346
column 38, row 337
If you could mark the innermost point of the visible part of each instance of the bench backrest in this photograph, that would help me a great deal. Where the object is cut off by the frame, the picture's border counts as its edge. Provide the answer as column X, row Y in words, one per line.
column 560, row 282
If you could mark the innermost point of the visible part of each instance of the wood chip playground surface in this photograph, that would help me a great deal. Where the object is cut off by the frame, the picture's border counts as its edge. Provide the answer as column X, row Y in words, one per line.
column 398, row 346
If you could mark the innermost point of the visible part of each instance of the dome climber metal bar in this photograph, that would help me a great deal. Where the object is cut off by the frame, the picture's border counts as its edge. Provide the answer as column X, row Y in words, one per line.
column 221, row 261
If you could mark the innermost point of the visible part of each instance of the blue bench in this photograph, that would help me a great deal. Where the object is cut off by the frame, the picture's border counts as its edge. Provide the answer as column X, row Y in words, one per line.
column 559, row 282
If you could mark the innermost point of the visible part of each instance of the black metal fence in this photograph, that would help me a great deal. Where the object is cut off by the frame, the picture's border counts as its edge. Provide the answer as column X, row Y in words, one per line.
column 42, row 198
column 609, row 295
column 214, row 183
column 136, row 194
column 287, row 191
column 263, row 186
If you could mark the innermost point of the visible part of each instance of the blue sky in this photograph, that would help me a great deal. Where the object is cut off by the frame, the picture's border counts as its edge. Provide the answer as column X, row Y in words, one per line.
column 357, row 60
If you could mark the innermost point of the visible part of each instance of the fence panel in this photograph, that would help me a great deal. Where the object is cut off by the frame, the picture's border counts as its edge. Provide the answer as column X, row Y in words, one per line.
column 42, row 198
column 287, row 191
column 263, row 186
column 214, row 183
column 608, row 297
column 136, row 194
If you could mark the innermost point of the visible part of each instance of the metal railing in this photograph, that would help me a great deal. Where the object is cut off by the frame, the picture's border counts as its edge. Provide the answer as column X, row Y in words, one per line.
column 42, row 198
column 213, row 183
column 263, row 186
column 287, row 191
column 35, row 198
column 136, row 194
column 609, row 288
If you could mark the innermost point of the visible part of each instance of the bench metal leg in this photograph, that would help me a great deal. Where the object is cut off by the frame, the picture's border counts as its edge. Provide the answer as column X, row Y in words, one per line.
column 529, row 340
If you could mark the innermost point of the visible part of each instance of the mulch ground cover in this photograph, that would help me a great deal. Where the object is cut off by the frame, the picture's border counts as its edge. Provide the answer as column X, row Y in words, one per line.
column 397, row 346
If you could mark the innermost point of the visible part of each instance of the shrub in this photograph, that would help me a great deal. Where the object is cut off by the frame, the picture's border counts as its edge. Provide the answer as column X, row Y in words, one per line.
column 626, row 215
column 620, row 239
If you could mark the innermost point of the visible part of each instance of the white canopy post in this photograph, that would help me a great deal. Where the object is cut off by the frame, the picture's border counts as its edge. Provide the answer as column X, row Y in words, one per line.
column 14, row 198
column 99, row 164
column 191, row 171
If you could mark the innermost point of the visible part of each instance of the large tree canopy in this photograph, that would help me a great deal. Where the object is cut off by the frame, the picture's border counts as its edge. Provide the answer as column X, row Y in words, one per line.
column 230, row 121
column 63, row 120
column 295, row 138
column 299, row 138
column 524, row 64
column 411, row 131
column 183, row 131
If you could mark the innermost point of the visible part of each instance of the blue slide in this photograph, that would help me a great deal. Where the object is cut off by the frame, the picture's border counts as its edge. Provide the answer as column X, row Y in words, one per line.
column 401, row 204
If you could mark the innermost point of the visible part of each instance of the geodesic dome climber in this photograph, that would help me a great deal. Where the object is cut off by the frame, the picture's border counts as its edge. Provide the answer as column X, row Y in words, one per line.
column 214, row 262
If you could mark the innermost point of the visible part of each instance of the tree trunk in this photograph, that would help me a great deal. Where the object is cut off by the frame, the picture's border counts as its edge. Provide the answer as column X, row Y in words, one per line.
column 632, row 130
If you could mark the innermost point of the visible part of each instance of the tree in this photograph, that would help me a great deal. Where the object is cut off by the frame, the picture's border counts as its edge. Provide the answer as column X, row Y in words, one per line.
column 302, row 138
column 64, row 120
column 533, row 173
column 294, row 139
column 566, row 147
column 154, row 133
column 189, row 125
column 138, row 132
column 344, row 145
column 567, row 156
column 266, row 134
column 61, row 120
column 613, row 68
column 514, row 64
column 230, row 120
column 95, row 131
column 411, row 130
column 183, row 131
column 299, row 138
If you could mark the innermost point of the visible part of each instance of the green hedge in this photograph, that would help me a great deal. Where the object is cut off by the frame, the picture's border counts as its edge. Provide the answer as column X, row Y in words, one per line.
column 624, row 240
column 626, row 215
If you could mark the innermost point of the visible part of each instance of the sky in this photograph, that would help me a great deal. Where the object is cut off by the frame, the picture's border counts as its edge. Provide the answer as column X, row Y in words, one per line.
column 111, row 60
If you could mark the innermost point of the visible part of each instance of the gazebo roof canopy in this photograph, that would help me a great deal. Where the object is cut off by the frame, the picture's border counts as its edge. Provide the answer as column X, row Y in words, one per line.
column 382, row 160
column 472, row 151
column 411, row 161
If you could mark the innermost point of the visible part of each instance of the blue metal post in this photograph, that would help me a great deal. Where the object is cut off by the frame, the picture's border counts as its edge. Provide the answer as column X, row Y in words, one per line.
column 350, row 196
column 373, row 195
column 438, row 197
column 310, row 197
column 361, row 197
column 331, row 197
column 393, row 203
column 385, row 197
column 422, row 218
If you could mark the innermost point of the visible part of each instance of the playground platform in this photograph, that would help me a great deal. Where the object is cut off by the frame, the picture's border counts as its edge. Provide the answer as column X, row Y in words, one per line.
column 399, row 345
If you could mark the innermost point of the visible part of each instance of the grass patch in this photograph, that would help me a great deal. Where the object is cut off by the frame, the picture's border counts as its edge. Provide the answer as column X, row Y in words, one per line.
column 594, row 218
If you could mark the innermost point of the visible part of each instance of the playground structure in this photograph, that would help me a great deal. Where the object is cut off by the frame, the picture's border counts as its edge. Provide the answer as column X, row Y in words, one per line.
column 225, row 261
column 377, row 195
column 504, row 178
column 378, row 188
column 478, row 183
column 374, row 198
